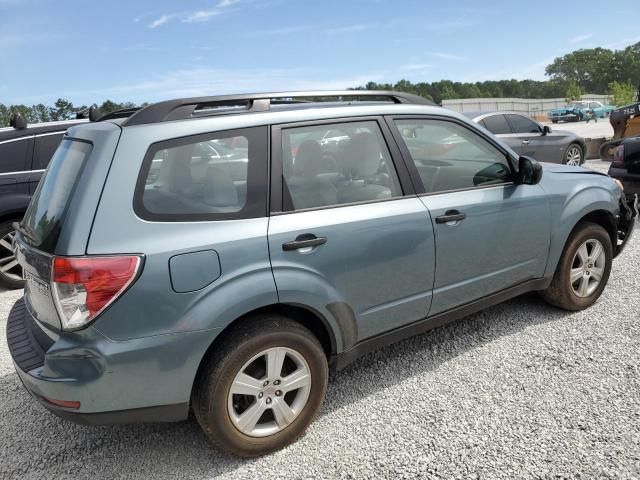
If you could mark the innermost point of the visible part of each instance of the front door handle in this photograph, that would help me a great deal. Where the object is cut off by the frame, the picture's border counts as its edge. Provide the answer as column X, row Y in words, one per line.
column 526, row 142
column 305, row 240
column 451, row 216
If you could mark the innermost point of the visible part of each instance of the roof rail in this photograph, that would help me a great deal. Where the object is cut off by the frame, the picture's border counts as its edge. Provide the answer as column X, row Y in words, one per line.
column 121, row 113
column 255, row 102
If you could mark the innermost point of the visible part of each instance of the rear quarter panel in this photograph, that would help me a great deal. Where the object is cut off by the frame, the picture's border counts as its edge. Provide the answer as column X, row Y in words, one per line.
column 151, row 306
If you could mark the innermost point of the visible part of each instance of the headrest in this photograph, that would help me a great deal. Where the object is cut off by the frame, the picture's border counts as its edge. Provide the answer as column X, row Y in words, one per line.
column 219, row 189
column 308, row 160
column 363, row 156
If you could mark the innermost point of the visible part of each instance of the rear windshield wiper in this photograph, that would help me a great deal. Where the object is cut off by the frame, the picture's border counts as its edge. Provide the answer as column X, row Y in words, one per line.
column 27, row 231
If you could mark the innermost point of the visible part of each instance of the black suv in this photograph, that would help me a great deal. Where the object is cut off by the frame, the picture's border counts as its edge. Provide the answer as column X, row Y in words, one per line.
column 25, row 151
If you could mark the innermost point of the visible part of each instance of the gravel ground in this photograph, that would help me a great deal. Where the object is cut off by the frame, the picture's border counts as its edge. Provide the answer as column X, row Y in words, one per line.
column 521, row 390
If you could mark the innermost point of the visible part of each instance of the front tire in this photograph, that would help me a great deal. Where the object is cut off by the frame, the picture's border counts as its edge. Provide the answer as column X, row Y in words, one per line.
column 583, row 270
column 10, row 270
column 262, row 387
column 573, row 155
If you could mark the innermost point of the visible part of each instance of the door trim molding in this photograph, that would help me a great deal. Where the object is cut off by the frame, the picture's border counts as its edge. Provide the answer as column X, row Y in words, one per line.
column 421, row 326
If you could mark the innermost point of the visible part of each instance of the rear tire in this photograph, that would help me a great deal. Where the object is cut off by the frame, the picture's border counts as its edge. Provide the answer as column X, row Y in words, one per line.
column 246, row 362
column 583, row 270
column 573, row 155
column 10, row 270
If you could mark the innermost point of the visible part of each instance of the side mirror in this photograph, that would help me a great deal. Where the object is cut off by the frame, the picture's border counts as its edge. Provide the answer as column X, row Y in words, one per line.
column 546, row 129
column 529, row 171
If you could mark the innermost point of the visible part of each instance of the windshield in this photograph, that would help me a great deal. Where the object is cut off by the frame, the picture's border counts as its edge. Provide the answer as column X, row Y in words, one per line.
column 48, row 206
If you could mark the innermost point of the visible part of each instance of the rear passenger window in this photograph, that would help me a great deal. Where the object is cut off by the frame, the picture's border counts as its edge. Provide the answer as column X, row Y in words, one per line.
column 496, row 124
column 448, row 156
column 523, row 124
column 13, row 154
column 336, row 164
column 203, row 177
column 45, row 147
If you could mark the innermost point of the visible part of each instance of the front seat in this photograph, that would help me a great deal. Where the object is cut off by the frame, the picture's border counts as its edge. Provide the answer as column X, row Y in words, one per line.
column 307, row 188
column 360, row 169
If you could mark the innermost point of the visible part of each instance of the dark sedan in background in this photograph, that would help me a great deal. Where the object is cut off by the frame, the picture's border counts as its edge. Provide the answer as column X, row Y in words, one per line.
column 25, row 151
column 527, row 137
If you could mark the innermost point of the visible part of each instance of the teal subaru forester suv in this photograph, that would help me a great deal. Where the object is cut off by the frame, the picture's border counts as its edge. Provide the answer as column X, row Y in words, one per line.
column 223, row 254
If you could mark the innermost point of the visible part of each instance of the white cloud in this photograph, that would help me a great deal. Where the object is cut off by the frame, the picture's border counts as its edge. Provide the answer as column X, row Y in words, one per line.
column 581, row 38
column 13, row 42
column 207, row 81
column 448, row 56
column 360, row 27
column 201, row 16
column 622, row 43
column 416, row 67
column 286, row 30
column 191, row 17
column 160, row 21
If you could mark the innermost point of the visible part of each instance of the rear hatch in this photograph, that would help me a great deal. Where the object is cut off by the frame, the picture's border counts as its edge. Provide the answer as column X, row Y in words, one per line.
column 58, row 220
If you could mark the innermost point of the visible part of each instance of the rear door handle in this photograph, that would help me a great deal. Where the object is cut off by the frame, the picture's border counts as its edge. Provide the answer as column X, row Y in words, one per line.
column 451, row 216
column 526, row 142
column 305, row 240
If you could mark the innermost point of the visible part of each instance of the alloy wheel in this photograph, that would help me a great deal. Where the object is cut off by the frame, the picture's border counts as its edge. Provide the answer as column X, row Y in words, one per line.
column 573, row 156
column 587, row 268
column 9, row 266
column 269, row 392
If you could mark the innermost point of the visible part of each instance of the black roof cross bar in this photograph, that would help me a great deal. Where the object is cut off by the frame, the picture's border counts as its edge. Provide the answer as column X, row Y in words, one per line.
column 255, row 102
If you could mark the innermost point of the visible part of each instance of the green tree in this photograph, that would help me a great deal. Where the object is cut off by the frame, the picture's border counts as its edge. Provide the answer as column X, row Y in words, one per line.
column 591, row 69
column 627, row 65
column 41, row 113
column 62, row 110
column 25, row 111
column 572, row 92
column 5, row 115
column 624, row 93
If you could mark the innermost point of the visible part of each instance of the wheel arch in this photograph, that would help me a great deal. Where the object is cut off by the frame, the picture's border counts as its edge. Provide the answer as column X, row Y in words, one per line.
column 603, row 218
column 599, row 216
column 582, row 144
column 306, row 316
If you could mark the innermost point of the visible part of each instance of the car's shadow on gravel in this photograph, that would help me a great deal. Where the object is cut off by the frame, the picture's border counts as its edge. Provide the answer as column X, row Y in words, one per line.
column 37, row 442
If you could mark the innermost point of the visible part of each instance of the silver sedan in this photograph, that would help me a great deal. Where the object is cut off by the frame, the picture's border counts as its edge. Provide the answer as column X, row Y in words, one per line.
column 527, row 137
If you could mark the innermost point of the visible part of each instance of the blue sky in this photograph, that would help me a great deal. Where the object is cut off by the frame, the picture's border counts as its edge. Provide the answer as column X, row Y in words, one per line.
column 91, row 50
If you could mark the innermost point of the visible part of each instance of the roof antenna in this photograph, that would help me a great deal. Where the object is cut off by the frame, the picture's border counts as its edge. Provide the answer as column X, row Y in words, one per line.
column 17, row 121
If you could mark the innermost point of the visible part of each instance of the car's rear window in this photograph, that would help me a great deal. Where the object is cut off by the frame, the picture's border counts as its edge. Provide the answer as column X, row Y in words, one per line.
column 216, row 176
column 48, row 206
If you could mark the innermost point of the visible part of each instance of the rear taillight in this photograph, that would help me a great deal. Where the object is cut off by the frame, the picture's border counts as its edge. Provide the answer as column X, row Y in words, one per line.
column 84, row 286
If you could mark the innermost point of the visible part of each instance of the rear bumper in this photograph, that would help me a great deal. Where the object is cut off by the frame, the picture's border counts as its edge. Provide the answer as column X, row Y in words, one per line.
column 141, row 380
column 161, row 413
column 626, row 220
